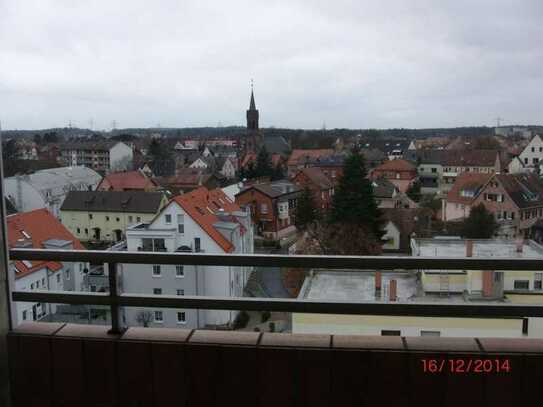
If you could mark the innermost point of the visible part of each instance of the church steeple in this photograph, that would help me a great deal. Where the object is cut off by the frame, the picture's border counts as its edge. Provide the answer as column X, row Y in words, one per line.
column 252, row 113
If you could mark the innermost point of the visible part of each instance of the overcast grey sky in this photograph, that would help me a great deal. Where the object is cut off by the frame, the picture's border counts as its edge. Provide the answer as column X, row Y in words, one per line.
column 356, row 64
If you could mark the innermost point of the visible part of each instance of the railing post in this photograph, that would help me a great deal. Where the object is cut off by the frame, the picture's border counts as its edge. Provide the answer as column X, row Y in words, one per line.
column 116, row 318
column 5, row 308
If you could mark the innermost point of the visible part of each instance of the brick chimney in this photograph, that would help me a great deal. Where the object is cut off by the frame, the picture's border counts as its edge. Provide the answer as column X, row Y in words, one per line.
column 469, row 248
column 392, row 290
column 488, row 283
column 378, row 281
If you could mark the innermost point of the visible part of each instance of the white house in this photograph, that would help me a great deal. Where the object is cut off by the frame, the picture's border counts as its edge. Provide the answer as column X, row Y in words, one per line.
column 40, row 230
column 228, row 169
column 199, row 221
column 48, row 188
column 199, row 163
column 532, row 155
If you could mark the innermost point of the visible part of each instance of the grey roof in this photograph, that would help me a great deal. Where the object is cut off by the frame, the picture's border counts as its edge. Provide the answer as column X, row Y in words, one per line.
column 276, row 145
column 113, row 201
column 274, row 189
column 383, row 188
column 62, row 177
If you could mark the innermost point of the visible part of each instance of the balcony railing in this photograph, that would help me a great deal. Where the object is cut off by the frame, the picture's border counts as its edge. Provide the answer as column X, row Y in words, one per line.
column 115, row 299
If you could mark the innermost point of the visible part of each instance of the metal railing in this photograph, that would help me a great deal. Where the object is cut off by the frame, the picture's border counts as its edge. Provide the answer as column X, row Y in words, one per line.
column 115, row 299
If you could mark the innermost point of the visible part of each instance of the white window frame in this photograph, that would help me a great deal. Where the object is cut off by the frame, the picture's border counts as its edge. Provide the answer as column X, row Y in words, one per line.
column 158, row 320
column 156, row 267
column 168, row 219
column 182, row 274
column 184, row 320
column 159, row 291
column 180, row 292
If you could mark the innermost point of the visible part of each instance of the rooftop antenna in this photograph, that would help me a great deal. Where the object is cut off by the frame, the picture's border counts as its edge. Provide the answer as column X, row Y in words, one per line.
column 114, row 125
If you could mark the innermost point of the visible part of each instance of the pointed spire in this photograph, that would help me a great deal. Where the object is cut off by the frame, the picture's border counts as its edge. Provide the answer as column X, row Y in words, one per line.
column 252, row 105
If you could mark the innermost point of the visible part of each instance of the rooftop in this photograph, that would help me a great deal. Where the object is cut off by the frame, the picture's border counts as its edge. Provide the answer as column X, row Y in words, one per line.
column 481, row 248
column 113, row 201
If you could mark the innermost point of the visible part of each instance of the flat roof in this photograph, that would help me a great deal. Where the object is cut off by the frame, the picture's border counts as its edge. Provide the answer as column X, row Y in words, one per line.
column 356, row 285
column 481, row 248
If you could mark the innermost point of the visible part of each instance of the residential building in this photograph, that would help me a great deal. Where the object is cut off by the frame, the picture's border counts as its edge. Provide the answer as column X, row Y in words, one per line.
column 200, row 221
column 403, row 288
column 430, row 170
column 104, row 156
column 399, row 172
column 39, row 229
column 318, row 183
column 331, row 166
column 516, row 200
column 457, row 162
column 400, row 225
column 475, row 284
column 188, row 179
column 105, row 215
column 305, row 158
column 48, row 188
column 459, row 200
column 387, row 195
column 273, row 207
column 227, row 167
column 127, row 181
column 532, row 155
column 26, row 150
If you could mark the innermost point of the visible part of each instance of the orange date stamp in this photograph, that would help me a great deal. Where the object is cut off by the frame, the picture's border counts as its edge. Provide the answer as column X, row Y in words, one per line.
column 466, row 366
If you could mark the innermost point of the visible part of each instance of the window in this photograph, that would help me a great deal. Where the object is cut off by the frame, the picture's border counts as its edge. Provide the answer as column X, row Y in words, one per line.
column 78, row 230
column 93, row 288
column 533, row 149
column 90, row 215
column 38, row 284
column 156, row 271
column 118, row 219
column 168, row 219
column 157, row 291
column 43, row 282
column 538, row 278
column 130, row 219
column 181, row 318
column 497, row 277
column 197, row 247
column 535, row 160
column 24, row 315
column 180, row 292
column 67, row 273
column 32, row 286
column 522, row 284
column 181, row 223
column 179, row 271
column 138, row 219
column 264, row 208
column 526, row 160
column 58, row 278
column 386, row 332
column 159, row 317
column 86, row 231
column 107, row 218
column 430, row 333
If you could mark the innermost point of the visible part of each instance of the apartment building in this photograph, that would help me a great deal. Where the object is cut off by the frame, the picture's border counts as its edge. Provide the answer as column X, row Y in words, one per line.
column 104, row 216
column 200, row 221
column 273, row 207
column 104, row 156
column 48, row 188
column 39, row 229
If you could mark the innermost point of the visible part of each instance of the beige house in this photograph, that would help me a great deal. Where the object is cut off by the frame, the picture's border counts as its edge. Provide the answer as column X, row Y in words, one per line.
column 105, row 215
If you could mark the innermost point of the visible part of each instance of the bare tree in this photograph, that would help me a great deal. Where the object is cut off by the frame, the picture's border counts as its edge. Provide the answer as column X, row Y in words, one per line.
column 144, row 318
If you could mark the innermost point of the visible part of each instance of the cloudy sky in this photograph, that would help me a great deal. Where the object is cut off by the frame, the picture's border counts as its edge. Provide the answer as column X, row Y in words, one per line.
column 356, row 64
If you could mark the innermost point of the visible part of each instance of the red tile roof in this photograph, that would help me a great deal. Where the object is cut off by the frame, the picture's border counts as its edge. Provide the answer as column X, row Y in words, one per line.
column 316, row 176
column 396, row 165
column 251, row 157
column 38, row 225
column 309, row 154
column 467, row 180
column 201, row 205
column 123, row 181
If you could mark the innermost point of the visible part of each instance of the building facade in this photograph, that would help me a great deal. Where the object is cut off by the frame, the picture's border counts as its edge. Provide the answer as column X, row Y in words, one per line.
column 104, row 216
column 105, row 156
column 201, row 221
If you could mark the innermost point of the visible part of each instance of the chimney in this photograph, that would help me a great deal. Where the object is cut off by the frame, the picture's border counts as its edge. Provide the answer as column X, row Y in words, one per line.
column 392, row 290
column 469, row 248
column 488, row 286
column 378, row 280
column 520, row 245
